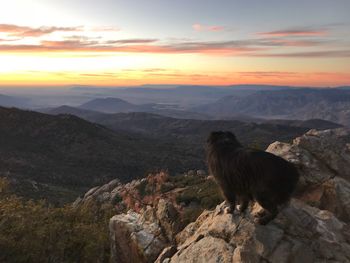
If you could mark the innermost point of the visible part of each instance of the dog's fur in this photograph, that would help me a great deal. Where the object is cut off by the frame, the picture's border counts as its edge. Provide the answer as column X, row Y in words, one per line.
column 246, row 174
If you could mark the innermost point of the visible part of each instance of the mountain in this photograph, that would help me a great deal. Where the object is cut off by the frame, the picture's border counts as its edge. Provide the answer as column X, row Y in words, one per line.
column 327, row 104
column 195, row 131
column 185, row 96
column 67, row 152
column 115, row 105
column 109, row 105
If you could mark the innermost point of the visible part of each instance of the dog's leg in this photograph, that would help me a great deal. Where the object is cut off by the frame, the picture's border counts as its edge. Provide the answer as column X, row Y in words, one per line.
column 244, row 202
column 269, row 213
column 230, row 198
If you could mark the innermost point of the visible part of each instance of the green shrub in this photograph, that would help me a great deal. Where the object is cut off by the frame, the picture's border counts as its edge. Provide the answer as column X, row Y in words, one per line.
column 34, row 231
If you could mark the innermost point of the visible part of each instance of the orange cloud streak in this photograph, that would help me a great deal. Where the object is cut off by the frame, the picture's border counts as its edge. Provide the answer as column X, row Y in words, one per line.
column 25, row 31
column 200, row 27
column 294, row 32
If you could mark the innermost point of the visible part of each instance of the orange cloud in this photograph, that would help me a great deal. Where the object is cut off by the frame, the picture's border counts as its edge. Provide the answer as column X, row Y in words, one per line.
column 25, row 31
column 295, row 32
column 226, row 47
column 132, row 41
column 308, row 54
column 258, row 47
column 200, row 27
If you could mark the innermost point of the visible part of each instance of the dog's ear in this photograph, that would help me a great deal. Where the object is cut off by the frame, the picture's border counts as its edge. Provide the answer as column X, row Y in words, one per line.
column 214, row 136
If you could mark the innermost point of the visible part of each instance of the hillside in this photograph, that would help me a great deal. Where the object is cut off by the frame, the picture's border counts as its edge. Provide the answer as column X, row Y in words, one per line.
column 302, row 104
column 194, row 132
column 66, row 151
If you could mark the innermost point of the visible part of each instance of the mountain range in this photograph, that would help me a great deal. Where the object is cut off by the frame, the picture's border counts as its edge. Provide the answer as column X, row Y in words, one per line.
column 194, row 132
column 302, row 104
column 59, row 156
column 116, row 105
column 242, row 102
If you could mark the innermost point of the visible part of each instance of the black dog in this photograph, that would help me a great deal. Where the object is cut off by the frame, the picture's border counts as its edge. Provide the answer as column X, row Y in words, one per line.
column 248, row 174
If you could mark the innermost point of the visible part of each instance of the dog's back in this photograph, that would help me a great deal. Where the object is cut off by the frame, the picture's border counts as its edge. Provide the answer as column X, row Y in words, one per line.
column 273, row 175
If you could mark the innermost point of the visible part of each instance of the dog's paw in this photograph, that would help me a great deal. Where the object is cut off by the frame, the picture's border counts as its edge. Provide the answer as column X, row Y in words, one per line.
column 229, row 209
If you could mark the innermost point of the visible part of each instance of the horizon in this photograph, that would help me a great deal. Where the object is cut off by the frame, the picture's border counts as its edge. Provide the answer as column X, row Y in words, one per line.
column 122, row 44
column 157, row 86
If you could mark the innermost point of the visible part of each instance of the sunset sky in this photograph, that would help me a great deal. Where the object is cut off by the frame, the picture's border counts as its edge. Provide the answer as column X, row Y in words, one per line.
column 133, row 42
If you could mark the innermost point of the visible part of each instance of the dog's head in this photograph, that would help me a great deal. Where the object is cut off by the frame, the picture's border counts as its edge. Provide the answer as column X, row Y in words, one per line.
column 222, row 138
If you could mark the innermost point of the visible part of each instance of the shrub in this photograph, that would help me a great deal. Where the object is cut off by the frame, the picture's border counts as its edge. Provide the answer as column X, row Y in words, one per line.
column 34, row 231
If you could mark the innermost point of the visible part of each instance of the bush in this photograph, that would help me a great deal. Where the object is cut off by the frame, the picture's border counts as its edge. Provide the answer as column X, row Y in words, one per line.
column 33, row 231
column 204, row 192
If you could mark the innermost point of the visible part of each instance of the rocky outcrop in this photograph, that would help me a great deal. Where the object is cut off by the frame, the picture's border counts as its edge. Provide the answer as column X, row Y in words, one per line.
column 323, row 159
column 135, row 238
column 312, row 228
column 300, row 233
column 101, row 194
column 141, row 237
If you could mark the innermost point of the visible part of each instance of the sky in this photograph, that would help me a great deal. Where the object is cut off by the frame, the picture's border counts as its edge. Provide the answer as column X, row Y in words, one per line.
column 199, row 42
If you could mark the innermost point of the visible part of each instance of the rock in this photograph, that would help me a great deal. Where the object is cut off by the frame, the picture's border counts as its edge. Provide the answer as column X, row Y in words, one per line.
column 166, row 254
column 330, row 147
column 208, row 249
column 113, row 184
column 168, row 218
column 103, row 197
column 76, row 203
column 323, row 159
column 300, row 233
column 102, row 194
column 91, row 191
column 135, row 240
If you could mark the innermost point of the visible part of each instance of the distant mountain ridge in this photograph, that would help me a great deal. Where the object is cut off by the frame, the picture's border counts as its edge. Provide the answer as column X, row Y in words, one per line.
column 109, row 105
column 116, row 105
column 157, row 124
column 328, row 104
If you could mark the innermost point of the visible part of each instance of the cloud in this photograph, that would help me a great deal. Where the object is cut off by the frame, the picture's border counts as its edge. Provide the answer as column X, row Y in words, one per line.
column 253, row 47
column 200, row 27
column 131, row 41
column 219, row 47
column 295, row 32
column 25, row 31
column 309, row 54
column 105, row 29
column 267, row 46
column 270, row 74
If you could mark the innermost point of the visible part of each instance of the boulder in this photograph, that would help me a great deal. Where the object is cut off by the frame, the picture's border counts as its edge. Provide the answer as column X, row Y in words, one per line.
column 168, row 218
column 300, row 233
column 323, row 159
column 134, row 239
